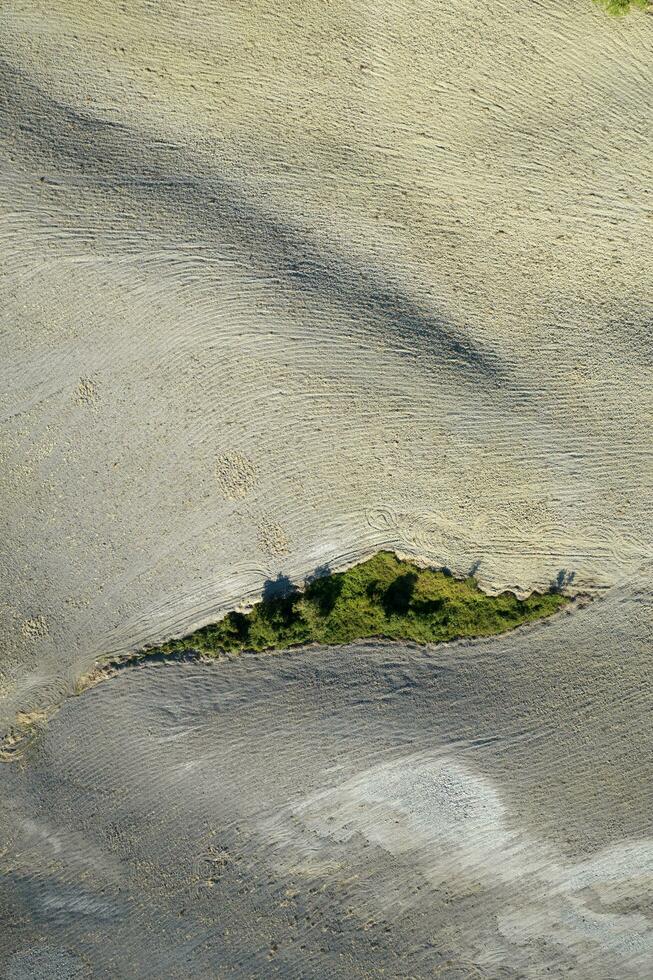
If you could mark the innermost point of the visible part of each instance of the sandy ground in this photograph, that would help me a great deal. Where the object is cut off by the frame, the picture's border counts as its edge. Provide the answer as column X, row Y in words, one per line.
column 281, row 284
column 480, row 810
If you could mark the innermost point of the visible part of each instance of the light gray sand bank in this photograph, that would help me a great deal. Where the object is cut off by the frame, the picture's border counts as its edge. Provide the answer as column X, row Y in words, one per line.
column 480, row 810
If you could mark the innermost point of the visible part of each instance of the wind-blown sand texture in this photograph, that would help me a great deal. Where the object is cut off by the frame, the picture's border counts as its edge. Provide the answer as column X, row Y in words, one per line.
column 480, row 810
column 281, row 285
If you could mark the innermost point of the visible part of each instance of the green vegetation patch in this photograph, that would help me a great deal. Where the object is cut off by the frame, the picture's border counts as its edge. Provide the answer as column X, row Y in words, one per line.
column 382, row 597
column 618, row 7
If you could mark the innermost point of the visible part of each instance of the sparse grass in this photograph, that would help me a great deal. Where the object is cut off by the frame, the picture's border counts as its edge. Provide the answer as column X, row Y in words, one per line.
column 619, row 7
column 382, row 597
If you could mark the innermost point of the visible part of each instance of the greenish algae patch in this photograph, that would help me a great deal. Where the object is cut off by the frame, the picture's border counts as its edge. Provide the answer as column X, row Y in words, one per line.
column 381, row 597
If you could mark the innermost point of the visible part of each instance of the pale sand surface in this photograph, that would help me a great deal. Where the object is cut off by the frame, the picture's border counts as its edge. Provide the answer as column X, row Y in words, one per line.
column 479, row 810
column 282, row 284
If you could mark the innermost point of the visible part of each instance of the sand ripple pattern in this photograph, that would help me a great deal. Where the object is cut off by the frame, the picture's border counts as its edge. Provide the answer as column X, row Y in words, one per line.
column 280, row 288
column 477, row 810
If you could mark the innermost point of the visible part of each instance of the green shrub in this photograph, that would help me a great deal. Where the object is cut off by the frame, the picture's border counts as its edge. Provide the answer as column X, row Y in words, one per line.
column 382, row 597
column 619, row 7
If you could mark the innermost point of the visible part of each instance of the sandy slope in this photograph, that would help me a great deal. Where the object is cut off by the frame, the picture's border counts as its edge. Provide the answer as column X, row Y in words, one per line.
column 280, row 285
column 481, row 810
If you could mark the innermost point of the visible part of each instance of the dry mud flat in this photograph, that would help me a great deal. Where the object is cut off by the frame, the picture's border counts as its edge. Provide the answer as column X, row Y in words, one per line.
column 480, row 810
